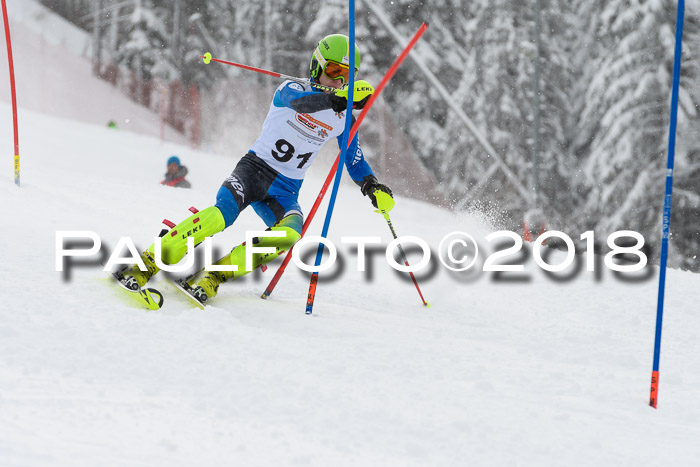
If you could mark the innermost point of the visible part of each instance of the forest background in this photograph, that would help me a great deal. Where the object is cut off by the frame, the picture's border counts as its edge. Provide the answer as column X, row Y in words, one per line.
column 572, row 95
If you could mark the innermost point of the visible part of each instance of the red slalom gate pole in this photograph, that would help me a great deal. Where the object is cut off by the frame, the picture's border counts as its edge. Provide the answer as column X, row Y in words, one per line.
column 389, row 74
column 12, row 89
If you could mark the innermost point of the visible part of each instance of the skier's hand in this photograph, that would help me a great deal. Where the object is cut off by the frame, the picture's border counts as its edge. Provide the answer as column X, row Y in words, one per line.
column 379, row 194
column 361, row 94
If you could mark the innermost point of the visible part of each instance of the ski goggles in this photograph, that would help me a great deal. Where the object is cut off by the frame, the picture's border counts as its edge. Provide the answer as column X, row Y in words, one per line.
column 334, row 70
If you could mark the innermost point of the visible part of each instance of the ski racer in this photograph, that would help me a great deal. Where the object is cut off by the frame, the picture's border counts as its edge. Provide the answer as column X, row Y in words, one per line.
column 300, row 120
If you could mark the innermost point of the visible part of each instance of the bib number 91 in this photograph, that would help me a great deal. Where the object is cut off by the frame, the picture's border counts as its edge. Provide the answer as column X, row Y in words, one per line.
column 285, row 153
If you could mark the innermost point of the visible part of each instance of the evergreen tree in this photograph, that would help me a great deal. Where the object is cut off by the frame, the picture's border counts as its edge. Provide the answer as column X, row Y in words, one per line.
column 685, row 213
column 624, row 120
column 146, row 49
column 484, row 53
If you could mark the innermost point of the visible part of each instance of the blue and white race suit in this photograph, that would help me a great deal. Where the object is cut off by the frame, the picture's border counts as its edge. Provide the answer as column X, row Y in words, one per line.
column 270, row 175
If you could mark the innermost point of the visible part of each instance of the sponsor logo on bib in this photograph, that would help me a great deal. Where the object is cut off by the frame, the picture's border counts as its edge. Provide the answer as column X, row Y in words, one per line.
column 311, row 123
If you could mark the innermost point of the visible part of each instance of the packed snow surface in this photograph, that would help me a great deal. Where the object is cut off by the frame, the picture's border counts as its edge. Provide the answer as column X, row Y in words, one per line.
column 494, row 373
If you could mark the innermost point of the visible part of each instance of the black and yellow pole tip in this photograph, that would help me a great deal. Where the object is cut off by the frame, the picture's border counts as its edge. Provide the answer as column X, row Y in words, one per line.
column 206, row 58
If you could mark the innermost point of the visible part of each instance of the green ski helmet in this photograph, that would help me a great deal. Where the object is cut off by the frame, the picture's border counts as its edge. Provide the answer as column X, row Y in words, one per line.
column 333, row 48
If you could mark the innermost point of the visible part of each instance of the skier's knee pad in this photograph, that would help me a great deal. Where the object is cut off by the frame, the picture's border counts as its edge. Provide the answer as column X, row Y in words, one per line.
column 281, row 243
column 286, row 242
column 291, row 225
column 293, row 221
column 198, row 226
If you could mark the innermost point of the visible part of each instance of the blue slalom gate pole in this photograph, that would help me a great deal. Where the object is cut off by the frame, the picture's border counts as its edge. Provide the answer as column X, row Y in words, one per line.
column 654, row 394
column 343, row 150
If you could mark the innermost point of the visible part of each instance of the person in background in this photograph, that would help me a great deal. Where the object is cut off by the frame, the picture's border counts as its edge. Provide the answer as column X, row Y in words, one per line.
column 175, row 176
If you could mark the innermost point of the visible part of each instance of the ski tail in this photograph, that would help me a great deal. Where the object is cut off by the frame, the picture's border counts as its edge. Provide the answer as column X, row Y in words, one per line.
column 182, row 286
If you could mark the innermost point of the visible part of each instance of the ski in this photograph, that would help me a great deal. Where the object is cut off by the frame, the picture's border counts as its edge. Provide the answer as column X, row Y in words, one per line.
column 148, row 298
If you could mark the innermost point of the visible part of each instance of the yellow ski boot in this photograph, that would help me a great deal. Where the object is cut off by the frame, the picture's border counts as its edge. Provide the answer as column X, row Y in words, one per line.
column 205, row 285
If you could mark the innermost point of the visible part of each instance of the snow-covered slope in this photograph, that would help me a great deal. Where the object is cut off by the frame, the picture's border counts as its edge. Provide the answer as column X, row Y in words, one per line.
column 494, row 373
column 534, row 373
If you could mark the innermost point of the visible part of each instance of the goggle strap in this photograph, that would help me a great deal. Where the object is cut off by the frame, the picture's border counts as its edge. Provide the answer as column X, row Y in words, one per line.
column 319, row 57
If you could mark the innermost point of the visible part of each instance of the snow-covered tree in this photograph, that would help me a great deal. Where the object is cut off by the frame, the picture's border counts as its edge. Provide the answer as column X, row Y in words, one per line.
column 623, row 126
column 146, row 49
column 484, row 53
column 685, row 214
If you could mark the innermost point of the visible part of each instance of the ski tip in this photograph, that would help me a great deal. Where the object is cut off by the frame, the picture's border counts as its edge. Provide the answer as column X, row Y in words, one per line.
column 155, row 299
column 206, row 58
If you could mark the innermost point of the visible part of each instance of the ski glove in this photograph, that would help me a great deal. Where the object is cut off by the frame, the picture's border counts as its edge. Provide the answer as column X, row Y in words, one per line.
column 363, row 91
column 380, row 194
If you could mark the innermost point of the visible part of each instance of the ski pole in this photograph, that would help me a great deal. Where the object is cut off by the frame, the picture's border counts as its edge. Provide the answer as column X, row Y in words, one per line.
column 382, row 84
column 207, row 58
column 403, row 256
